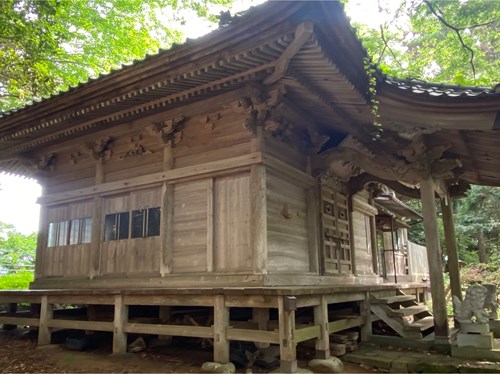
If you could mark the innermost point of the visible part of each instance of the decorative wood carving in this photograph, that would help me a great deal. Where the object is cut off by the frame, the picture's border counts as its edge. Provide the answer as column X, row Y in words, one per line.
column 46, row 163
column 100, row 149
column 410, row 165
column 209, row 121
column 75, row 157
column 136, row 148
column 170, row 130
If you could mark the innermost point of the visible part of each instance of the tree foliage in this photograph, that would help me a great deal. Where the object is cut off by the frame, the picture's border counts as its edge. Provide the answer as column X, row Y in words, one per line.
column 453, row 41
column 17, row 251
column 47, row 46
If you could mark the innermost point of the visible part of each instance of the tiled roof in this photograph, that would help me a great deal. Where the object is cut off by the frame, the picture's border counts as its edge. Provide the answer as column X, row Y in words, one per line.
column 422, row 87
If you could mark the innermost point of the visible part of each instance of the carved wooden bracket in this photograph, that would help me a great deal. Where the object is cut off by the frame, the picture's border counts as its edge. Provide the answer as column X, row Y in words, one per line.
column 100, row 149
column 418, row 162
column 170, row 130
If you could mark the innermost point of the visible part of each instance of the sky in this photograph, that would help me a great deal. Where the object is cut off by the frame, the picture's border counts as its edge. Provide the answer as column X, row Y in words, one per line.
column 18, row 195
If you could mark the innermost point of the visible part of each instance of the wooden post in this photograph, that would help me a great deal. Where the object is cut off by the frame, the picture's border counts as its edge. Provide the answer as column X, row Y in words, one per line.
column 41, row 243
column 121, row 317
column 313, row 229
column 321, row 320
column 91, row 316
column 210, row 225
column 95, row 249
column 288, row 353
column 258, row 220
column 221, row 323
column 99, row 171
column 166, row 228
column 451, row 247
column 373, row 240
column 366, row 329
column 434, row 259
column 261, row 317
column 46, row 314
column 165, row 314
column 167, row 214
column 168, row 157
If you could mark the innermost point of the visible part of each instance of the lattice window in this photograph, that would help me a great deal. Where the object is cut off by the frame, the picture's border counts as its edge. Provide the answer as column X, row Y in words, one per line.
column 335, row 227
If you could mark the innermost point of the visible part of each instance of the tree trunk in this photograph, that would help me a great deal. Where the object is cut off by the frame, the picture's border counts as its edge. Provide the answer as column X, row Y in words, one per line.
column 481, row 247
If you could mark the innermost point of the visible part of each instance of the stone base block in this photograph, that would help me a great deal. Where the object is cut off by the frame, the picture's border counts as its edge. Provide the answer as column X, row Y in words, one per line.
column 483, row 341
column 474, row 328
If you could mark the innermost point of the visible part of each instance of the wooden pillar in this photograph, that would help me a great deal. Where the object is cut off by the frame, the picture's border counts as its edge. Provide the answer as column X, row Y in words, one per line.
column 99, row 171
column 91, row 316
column 321, row 320
column 261, row 317
column 288, row 345
column 451, row 247
column 165, row 314
column 366, row 329
column 41, row 243
column 210, row 225
column 258, row 220
column 121, row 317
column 95, row 249
column 46, row 314
column 313, row 229
column 166, row 228
column 373, row 240
column 221, row 323
column 434, row 259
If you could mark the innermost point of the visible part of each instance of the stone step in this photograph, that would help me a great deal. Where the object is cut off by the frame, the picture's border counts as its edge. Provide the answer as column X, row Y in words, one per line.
column 408, row 311
column 392, row 299
column 420, row 325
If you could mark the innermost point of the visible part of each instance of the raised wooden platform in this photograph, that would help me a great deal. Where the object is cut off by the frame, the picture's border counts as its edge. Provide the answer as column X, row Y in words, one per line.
column 284, row 331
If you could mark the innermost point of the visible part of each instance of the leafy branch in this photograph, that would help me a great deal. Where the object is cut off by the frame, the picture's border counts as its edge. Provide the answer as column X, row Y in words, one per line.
column 457, row 30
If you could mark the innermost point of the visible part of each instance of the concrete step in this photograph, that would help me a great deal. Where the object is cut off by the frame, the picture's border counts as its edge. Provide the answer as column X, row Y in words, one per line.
column 420, row 325
column 392, row 299
column 408, row 311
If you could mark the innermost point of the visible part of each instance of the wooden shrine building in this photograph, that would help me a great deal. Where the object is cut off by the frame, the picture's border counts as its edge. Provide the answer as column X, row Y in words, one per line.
column 243, row 170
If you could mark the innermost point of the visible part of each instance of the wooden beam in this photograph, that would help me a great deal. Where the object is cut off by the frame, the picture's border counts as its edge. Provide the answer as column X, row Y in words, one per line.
column 81, row 325
column 321, row 321
column 169, row 300
column 173, row 330
column 251, row 301
column 221, row 323
column 344, row 324
column 119, row 321
column 302, row 35
column 46, row 314
column 258, row 220
column 82, row 299
column 199, row 171
column 258, row 336
column 434, row 260
column 18, row 321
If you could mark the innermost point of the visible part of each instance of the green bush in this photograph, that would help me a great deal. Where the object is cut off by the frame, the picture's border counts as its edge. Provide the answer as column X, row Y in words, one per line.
column 16, row 281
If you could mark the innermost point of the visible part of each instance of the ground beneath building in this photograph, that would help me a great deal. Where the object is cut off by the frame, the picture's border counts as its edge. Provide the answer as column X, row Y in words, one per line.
column 20, row 354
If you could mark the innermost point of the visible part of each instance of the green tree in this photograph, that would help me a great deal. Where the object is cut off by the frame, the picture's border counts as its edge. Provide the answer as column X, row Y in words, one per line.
column 453, row 41
column 478, row 223
column 17, row 251
column 47, row 46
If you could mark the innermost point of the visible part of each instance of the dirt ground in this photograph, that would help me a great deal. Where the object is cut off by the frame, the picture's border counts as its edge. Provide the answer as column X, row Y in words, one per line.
column 19, row 354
